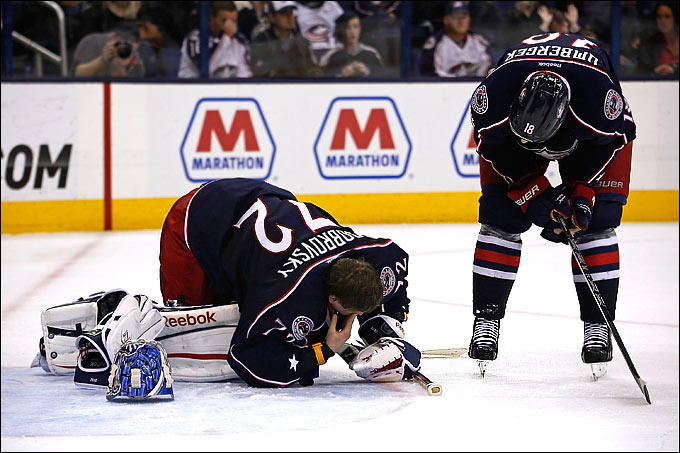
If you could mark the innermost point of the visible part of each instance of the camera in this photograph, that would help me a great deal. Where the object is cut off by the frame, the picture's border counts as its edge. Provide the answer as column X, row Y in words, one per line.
column 123, row 48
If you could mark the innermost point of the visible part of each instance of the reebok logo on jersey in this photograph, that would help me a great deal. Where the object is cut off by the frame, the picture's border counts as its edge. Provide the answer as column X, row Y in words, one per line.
column 189, row 320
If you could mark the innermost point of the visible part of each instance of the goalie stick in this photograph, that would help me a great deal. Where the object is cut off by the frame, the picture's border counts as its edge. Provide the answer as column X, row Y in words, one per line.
column 451, row 353
column 603, row 308
column 350, row 351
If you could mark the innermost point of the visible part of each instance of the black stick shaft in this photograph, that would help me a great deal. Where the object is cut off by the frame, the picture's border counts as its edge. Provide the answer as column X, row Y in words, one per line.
column 603, row 308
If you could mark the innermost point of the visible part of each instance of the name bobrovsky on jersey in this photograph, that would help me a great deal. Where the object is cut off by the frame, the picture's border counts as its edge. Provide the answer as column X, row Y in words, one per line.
column 316, row 246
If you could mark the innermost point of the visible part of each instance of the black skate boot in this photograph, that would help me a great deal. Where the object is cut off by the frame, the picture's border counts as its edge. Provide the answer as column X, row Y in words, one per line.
column 597, row 348
column 484, row 343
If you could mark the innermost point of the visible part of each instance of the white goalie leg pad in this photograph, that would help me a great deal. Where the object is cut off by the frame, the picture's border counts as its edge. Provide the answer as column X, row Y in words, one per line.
column 62, row 324
column 197, row 341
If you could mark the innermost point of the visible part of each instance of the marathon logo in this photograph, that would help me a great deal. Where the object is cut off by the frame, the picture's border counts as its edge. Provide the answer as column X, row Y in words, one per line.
column 190, row 320
column 226, row 138
column 463, row 146
column 316, row 246
column 362, row 137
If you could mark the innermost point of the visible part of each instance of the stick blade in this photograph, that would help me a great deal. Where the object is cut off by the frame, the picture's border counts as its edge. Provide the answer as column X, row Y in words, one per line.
column 643, row 387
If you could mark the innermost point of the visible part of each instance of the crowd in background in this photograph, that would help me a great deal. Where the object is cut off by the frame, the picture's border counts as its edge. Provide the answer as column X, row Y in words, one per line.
column 331, row 38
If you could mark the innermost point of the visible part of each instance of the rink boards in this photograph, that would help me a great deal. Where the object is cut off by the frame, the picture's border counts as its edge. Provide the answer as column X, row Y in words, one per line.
column 98, row 156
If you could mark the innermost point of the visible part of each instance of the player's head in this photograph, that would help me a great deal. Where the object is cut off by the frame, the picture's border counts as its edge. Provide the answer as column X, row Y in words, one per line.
column 539, row 109
column 355, row 284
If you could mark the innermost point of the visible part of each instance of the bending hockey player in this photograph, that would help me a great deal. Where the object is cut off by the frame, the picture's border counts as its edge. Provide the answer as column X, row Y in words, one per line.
column 294, row 273
column 553, row 97
column 260, row 286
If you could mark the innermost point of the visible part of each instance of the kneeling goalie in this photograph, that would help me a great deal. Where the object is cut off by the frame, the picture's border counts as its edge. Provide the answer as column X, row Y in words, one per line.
column 258, row 286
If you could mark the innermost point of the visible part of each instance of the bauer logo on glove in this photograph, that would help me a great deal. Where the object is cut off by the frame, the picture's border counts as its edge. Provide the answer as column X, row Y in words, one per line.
column 387, row 360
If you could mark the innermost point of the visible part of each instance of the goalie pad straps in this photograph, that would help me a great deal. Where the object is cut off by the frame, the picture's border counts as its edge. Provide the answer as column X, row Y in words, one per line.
column 197, row 341
column 63, row 323
column 380, row 326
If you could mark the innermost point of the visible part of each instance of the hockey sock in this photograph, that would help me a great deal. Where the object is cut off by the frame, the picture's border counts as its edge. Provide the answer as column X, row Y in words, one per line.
column 601, row 253
column 496, row 260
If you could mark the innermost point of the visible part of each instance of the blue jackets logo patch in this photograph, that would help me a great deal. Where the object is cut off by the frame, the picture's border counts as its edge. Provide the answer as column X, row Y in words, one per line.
column 613, row 105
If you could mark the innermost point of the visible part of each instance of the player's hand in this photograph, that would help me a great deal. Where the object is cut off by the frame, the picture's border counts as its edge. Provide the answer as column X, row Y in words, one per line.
column 542, row 202
column 581, row 201
column 335, row 339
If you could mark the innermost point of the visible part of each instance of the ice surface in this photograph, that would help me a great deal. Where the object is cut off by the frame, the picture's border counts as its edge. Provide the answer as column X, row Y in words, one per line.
column 537, row 396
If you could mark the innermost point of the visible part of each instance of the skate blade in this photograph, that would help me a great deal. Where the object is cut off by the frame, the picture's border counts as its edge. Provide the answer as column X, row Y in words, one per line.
column 482, row 364
column 598, row 370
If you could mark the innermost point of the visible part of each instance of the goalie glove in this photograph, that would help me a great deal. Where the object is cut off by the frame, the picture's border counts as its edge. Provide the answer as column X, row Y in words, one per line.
column 387, row 360
column 134, row 318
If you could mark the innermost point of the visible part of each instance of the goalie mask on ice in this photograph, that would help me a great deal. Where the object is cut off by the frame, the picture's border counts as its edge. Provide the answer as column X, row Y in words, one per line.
column 140, row 370
column 387, row 360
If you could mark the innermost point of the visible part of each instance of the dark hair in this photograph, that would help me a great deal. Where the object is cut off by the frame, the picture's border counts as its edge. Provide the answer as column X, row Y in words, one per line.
column 219, row 6
column 355, row 283
column 341, row 25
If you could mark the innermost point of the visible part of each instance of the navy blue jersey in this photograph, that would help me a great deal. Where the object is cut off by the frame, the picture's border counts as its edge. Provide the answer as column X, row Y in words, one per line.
column 599, row 122
column 262, row 248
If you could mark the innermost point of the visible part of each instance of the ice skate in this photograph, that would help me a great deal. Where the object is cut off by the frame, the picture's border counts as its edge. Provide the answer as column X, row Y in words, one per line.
column 484, row 343
column 597, row 348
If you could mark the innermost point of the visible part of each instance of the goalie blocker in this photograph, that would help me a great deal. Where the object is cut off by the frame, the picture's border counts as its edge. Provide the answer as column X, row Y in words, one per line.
column 196, row 339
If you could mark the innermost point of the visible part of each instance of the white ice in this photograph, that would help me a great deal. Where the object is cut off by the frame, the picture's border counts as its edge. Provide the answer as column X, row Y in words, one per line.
column 537, row 396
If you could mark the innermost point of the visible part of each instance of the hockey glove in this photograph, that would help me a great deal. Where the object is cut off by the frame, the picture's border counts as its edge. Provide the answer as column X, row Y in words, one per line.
column 541, row 202
column 581, row 201
column 387, row 360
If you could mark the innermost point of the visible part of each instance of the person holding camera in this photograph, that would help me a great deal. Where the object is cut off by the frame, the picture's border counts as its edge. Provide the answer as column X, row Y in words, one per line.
column 117, row 53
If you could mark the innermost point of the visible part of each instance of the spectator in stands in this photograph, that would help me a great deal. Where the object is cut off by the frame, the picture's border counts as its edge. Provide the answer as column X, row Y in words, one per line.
column 521, row 22
column 116, row 53
column 381, row 25
column 157, row 28
column 251, row 16
column 228, row 50
column 658, row 51
column 280, row 50
column 351, row 58
column 106, row 16
column 555, row 20
column 316, row 21
column 454, row 51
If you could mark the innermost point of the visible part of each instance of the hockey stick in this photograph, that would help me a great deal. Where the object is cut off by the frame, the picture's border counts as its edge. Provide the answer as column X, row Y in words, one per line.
column 350, row 351
column 451, row 353
column 432, row 388
column 603, row 308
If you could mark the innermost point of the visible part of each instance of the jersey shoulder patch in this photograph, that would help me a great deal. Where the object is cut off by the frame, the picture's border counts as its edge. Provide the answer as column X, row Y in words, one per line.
column 613, row 105
column 480, row 100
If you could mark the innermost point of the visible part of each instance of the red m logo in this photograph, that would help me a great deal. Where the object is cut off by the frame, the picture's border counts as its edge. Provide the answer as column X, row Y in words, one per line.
column 347, row 121
column 241, row 123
